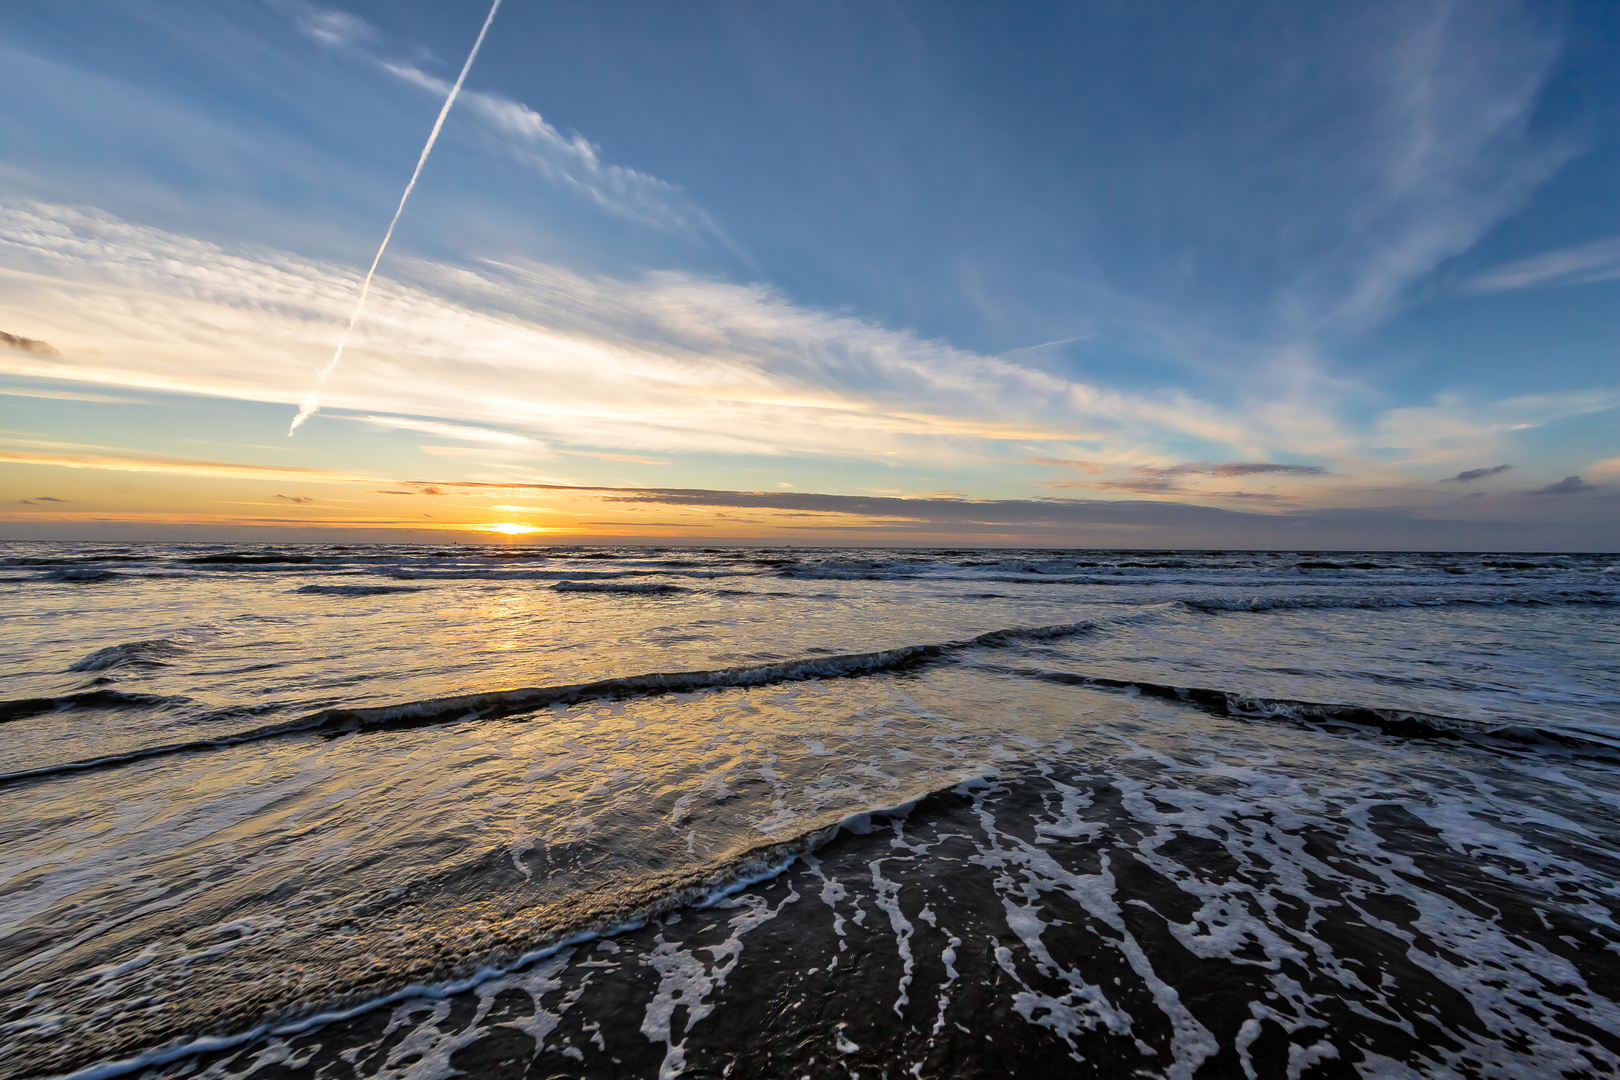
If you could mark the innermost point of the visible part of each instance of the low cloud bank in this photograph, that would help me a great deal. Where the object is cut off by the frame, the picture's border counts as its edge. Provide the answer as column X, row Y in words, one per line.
column 1062, row 522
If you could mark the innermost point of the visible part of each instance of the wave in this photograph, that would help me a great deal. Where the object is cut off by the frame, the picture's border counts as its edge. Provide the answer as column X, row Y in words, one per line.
column 640, row 587
column 357, row 590
column 129, row 654
column 1037, row 577
column 506, row 574
column 1216, row 605
column 1404, row 723
column 497, row 704
column 1357, row 576
column 875, row 574
column 22, row 708
column 78, row 560
column 243, row 558
column 493, row 705
column 80, row 573
column 1023, row 577
column 612, row 908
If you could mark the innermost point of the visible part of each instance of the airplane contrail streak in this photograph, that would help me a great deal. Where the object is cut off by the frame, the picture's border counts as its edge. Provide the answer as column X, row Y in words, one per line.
column 312, row 401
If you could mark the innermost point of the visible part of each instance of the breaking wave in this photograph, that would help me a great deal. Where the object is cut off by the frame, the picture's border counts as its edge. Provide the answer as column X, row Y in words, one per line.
column 358, row 590
column 129, row 654
column 1405, row 723
column 500, row 703
column 1217, row 605
column 80, row 574
column 604, row 911
column 23, row 708
column 243, row 558
column 629, row 587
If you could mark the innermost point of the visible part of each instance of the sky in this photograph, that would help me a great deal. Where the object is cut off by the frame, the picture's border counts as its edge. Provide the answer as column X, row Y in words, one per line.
column 1095, row 274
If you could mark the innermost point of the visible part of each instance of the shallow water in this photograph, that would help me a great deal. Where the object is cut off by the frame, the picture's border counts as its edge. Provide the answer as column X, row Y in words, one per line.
column 418, row 812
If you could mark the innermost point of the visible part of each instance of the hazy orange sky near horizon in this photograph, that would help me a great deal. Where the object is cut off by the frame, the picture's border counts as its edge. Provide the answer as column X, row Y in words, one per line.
column 109, row 498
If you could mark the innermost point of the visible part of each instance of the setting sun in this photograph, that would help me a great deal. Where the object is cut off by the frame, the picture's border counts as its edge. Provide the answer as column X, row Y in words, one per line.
column 510, row 528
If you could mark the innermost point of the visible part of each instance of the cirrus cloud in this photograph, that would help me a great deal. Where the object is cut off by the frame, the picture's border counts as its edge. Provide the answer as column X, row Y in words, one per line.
column 1231, row 468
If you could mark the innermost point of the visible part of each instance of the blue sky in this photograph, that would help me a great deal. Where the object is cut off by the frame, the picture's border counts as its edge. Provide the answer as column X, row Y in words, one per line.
column 1288, row 263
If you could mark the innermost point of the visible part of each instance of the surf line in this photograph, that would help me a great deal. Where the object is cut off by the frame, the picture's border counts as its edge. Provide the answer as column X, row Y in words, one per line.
column 312, row 400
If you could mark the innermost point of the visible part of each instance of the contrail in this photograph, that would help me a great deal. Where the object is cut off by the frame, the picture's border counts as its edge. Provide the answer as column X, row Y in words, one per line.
column 312, row 400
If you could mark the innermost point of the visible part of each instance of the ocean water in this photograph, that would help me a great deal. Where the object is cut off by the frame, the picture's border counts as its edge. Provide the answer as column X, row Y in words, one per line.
column 420, row 812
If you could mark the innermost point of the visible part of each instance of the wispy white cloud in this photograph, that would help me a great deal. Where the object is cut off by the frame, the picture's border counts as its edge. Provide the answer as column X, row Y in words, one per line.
column 175, row 466
column 467, row 453
column 532, row 360
column 1607, row 469
column 1597, row 261
column 1406, row 142
column 633, row 459
column 1377, row 142
column 1453, row 423
column 1090, row 468
column 1445, row 152
column 1048, row 345
column 570, row 160
column 67, row 395
column 670, row 362
column 330, row 27
column 449, row 431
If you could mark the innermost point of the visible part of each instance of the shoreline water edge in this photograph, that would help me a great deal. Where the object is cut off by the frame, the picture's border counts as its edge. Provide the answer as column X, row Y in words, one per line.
column 419, row 812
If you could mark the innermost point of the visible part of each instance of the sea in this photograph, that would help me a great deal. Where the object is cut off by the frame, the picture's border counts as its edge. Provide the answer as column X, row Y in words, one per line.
column 519, row 810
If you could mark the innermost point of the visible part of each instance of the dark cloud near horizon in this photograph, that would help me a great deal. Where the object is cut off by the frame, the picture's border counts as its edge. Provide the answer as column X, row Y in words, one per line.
column 296, row 498
column 1477, row 474
column 32, row 345
column 1145, row 485
column 935, row 509
column 1114, row 523
column 1147, row 480
column 1569, row 485
column 1230, row 468
column 944, row 511
column 40, row 499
